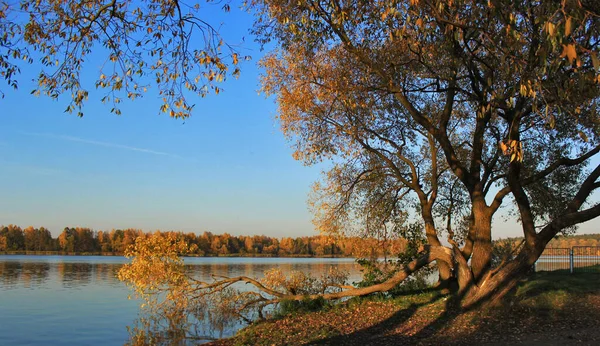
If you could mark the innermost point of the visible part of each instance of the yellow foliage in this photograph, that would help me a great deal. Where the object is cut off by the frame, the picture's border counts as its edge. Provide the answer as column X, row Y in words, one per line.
column 156, row 263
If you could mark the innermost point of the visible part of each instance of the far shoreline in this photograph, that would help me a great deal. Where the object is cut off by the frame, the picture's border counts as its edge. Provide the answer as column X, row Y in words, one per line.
column 120, row 254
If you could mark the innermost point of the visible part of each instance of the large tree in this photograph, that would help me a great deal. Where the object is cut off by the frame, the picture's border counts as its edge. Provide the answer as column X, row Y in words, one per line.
column 434, row 115
column 441, row 112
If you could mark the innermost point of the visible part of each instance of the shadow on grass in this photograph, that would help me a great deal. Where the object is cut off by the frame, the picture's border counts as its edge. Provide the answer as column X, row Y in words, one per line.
column 543, row 282
column 377, row 333
column 545, row 309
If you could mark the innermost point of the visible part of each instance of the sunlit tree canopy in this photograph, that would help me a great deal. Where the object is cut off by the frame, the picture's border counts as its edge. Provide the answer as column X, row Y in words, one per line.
column 436, row 114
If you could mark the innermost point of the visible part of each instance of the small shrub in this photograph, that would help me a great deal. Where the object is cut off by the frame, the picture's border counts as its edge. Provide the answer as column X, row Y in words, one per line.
column 293, row 307
column 376, row 271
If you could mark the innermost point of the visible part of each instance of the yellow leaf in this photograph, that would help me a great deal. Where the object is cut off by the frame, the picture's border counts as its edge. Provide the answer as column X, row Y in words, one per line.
column 523, row 90
column 595, row 61
column 550, row 28
column 583, row 136
column 568, row 27
column 503, row 147
column 569, row 52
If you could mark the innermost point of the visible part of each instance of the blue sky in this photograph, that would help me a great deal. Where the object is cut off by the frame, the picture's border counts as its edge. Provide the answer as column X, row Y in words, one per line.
column 225, row 169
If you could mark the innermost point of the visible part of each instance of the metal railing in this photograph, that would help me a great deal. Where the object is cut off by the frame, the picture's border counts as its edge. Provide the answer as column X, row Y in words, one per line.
column 575, row 259
column 586, row 258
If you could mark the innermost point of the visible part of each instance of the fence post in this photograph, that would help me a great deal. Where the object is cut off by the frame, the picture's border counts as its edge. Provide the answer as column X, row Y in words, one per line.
column 571, row 264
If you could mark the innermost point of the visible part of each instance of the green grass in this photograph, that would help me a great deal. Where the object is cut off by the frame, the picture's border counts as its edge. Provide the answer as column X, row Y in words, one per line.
column 547, row 297
column 550, row 292
column 558, row 283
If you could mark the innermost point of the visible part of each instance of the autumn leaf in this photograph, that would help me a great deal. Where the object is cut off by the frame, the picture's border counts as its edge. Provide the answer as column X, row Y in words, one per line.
column 583, row 136
column 550, row 28
column 569, row 52
column 568, row 26
column 503, row 147
column 595, row 61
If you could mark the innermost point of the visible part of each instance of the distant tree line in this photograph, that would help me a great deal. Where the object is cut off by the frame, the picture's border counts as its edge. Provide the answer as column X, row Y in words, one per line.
column 563, row 241
column 85, row 240
column 575, row 240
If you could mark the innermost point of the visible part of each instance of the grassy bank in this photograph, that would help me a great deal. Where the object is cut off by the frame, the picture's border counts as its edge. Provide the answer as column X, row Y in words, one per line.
column 547, row 309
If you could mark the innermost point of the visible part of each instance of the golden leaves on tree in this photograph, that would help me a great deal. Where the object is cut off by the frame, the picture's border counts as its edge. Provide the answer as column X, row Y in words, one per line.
column 144, row 44
column 513, row 148
column 569, row 53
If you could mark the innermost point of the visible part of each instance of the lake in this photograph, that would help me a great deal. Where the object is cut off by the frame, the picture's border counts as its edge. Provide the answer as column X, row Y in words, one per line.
column 77, row 300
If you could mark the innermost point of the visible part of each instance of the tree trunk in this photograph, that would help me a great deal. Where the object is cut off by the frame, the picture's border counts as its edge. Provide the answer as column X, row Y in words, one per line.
column 444, row 268
column 482, row 244
column 492, row 290
column 494, row 286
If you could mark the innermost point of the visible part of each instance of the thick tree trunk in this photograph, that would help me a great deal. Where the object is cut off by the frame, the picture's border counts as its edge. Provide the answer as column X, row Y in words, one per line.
column 494, row 289
column 494, row 286
column 482, row 243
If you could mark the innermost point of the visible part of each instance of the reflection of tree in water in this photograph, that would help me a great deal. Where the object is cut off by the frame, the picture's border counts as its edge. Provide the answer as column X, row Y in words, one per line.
column 74, row 274
column 106, row 273
column 15, row 274
column 172, row 323
column 184, row 315
column 10, row 273
column 184, row 304
column 178, row 318
column 34, row 274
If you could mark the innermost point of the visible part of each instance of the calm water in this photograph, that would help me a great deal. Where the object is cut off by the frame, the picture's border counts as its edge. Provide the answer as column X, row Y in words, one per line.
column 77, row 300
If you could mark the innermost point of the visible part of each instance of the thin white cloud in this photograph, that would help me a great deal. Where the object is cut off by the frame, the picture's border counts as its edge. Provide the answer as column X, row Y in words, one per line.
column 103, row 144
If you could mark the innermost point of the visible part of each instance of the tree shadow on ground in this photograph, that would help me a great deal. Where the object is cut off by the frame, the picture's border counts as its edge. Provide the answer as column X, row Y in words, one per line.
column 377, row 334
column 541, row 312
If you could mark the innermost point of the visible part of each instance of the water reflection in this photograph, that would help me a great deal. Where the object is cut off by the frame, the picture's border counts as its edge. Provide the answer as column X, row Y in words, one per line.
column 107, row 273
column 27, row 275
column 10, row 273
column 78, row 272
column 34, row 274
column 15, row 274
column 204, row 269
column 74, row 275
column 213, row 316
column 79, row 300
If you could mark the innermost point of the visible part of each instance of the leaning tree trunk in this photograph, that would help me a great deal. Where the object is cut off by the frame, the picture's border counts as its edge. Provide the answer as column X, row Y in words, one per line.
column 495, row 287
column 444, row 268
column 497, row 283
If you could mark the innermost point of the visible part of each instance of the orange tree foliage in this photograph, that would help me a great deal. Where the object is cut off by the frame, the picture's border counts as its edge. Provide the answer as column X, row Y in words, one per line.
column 157, row 276
column 141, row 43
column 177, row 307
column 117, row 241
column 435, row 113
